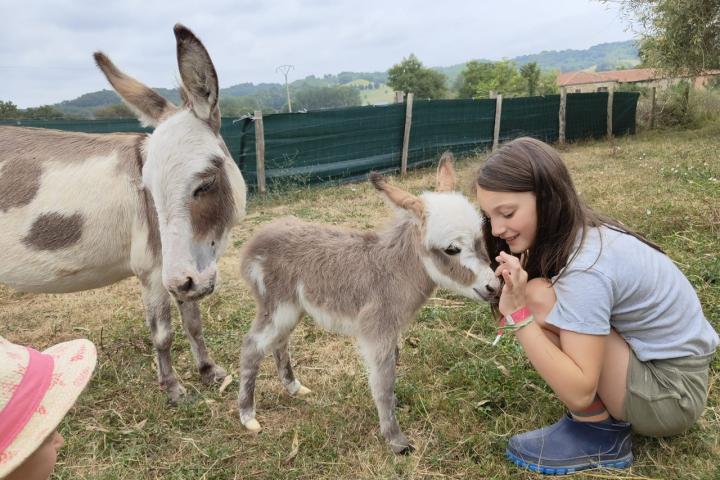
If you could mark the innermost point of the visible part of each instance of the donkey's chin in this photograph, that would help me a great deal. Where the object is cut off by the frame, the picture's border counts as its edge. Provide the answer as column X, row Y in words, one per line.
column 486, row 297
column 195, row 295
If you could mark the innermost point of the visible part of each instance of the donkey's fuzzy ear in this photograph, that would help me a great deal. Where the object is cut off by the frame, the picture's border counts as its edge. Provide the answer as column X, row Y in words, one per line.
column 198, row 76
column 445, row 173
column 147, row 104
column 398, row 197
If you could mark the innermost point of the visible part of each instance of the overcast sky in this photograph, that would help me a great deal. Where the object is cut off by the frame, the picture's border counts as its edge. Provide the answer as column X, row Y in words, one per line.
column 46, row 46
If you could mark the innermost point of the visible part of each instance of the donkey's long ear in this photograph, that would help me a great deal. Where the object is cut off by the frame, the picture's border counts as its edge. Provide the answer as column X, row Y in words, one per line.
column 445, row 173
column 397, row 196
column 148, row 105
column 198, row 76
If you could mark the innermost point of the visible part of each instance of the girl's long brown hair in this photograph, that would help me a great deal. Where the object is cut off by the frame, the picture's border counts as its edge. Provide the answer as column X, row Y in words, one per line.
column 529, row 165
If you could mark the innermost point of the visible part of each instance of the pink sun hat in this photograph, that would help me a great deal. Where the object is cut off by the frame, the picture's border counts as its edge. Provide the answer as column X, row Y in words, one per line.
column 36, row 391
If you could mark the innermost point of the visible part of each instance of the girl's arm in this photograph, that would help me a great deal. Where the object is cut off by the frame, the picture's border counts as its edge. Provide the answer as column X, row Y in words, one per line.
column 571, row 367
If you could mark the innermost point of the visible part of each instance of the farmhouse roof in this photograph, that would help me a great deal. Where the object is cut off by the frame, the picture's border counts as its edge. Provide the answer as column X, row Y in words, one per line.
column 632, row 75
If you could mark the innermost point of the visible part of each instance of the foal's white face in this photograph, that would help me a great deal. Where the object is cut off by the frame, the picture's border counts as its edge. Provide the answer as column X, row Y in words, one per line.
column 189, row 174
column 454, row 250
column 456, row 256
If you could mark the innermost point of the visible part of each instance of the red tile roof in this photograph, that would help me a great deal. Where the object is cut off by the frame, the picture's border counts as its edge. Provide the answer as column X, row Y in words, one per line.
column 584, row 77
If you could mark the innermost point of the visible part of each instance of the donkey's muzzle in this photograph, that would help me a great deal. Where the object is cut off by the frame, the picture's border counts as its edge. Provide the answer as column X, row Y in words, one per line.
column 189, row 289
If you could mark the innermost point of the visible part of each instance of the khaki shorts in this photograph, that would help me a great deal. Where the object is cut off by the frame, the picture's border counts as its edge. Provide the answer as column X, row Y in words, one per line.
column 666, row 397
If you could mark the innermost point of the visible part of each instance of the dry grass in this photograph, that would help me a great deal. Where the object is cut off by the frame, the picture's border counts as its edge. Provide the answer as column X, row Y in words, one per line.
column 460, row 398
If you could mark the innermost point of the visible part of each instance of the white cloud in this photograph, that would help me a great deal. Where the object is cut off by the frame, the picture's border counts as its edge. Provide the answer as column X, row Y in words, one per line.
column 46, row 46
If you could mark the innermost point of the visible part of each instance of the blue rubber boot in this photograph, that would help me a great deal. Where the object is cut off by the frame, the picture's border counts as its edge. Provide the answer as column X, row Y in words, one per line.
column 568, row 446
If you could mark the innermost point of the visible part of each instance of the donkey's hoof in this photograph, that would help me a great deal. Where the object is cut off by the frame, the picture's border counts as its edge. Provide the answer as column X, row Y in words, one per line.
column 297, row 389
column 175, row 393
column 402, row 449
column 212, row 374
column 302, row 391
column 253, row 425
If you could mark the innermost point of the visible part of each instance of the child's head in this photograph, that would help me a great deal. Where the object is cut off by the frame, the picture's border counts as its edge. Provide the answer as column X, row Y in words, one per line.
column 530, row 204
column 36, row 391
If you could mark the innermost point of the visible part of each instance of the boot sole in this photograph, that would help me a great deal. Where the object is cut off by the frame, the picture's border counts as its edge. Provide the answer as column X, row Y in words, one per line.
column 618, row 463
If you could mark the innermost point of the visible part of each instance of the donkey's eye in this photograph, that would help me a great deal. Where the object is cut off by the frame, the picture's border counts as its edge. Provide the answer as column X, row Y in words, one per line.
column 204, row 188
column 452, row 250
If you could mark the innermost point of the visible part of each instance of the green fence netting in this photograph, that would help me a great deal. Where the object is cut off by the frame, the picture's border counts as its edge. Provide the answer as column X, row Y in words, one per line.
column 461, row 126
column 345, row 144
column 325, row 145
column 535, row 117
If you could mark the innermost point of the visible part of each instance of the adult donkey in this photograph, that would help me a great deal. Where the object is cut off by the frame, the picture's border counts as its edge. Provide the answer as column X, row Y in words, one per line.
column 81, row 211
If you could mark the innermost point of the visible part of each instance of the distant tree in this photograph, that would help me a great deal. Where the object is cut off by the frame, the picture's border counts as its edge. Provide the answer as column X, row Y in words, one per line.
column 474, row 74
column 314, row 98
column 8, row 110
column 479, row 79
column 531, row 74
column 238, row 106
column 508, row 80
column 680, row 36
column 547, row 85
column 410, row 76
column 119, row 110
column 45, row 112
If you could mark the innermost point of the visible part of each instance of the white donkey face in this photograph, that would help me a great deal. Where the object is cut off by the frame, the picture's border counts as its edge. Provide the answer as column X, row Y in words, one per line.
column 197, row 190
column 191, row 178
column 454, row 255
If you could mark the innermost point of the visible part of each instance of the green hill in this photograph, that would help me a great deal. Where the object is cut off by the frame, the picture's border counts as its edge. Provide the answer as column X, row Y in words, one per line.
column 272, row 96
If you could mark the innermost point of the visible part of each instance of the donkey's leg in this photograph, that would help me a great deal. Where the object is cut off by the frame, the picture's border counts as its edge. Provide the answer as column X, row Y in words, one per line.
column 251, row 355
column 379, row 356
column 209, row 371
column 267, row 332
column 158, row 317
column 285, row 371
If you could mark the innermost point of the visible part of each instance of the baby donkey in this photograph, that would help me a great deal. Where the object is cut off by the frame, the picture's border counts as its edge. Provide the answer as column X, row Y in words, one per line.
column 368, row 285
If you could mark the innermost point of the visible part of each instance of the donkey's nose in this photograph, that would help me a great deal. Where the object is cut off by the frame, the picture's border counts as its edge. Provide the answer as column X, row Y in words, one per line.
column 489, row 289
column 187, row 286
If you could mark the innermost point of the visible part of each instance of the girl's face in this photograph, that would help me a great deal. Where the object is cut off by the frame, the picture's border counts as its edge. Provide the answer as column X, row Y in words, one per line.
column 513, row 216
column 41, row 463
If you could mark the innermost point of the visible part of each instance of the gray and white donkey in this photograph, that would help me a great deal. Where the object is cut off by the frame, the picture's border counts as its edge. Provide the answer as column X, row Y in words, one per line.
column 81, row 211
column 367, row 285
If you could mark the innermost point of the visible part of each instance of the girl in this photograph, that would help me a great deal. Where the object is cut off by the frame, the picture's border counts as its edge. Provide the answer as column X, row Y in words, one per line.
column 604, row 316
column 36, row 391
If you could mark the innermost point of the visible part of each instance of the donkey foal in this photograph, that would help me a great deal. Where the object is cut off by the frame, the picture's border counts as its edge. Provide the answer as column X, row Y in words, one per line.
column 367, row 285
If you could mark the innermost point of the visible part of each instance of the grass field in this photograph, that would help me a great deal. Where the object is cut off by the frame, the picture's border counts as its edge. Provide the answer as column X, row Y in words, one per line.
column 378, row 96
column 461, row 399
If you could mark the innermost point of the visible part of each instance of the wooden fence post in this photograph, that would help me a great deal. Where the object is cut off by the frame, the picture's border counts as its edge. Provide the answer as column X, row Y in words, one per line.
column 561, row 115
column 260, row 151
column 498, row 115
column 406, row 135
column 611, row 96
column 652, row 108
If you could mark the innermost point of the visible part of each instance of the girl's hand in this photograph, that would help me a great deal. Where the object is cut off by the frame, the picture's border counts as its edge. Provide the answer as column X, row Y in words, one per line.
column 512, row 297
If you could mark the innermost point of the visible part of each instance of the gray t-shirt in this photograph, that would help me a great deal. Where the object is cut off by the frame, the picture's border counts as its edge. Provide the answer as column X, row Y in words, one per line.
column 618, row 281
